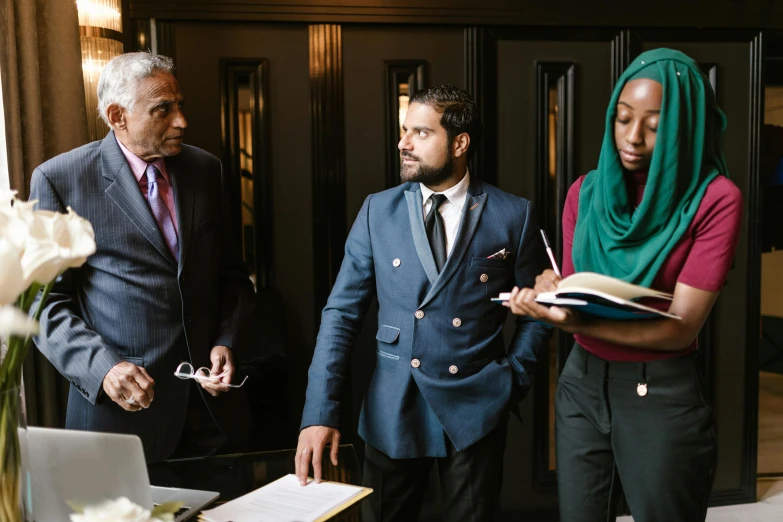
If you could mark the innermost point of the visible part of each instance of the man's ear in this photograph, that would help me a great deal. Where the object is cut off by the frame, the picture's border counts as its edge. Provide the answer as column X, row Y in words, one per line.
column 461, row 144
column 116, row 116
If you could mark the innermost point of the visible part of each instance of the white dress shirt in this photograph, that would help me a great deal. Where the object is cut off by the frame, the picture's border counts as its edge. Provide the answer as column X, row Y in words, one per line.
column 450, row 210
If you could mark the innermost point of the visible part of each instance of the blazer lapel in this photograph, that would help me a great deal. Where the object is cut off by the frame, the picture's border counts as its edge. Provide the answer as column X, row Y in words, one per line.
column 471, row 214
column 124, row 191
column 183, row 201
column 415, row 213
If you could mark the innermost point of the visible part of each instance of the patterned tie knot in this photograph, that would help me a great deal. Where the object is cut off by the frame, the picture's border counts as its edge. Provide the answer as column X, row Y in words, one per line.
column 160, row 211
column 438, row 200
column 152, row 173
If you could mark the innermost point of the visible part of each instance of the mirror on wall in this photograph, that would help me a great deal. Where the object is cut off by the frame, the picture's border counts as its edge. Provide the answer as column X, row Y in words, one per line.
column 246, row 161
column 403, row 79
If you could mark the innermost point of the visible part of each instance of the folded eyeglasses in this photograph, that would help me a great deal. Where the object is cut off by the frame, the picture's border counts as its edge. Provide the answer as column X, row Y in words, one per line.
column 185, row 371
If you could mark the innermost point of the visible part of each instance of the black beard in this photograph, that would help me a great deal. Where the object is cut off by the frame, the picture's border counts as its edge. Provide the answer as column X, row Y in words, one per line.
column 429, row 175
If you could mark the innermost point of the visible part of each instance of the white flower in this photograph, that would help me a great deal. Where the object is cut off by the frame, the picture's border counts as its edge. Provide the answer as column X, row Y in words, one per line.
column 12, row 281
column 15, row 322
column 120, row 510
column 13, row 227
column 55, row 242
column 6, row 197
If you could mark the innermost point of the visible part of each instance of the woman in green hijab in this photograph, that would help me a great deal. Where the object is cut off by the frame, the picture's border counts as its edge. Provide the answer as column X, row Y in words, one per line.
column 659, row 211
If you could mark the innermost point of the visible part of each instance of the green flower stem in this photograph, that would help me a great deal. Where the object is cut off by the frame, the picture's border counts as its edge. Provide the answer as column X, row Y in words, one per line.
column 10, row 380
column 27, row 298
column 11, row 368
column 44, row 297
column 10, row 458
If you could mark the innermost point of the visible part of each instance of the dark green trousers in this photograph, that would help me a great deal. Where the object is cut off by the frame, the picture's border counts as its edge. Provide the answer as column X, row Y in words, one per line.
column 658, row 447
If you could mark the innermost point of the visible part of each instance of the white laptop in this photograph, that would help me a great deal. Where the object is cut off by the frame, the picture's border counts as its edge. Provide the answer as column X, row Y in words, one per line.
column 87, row 468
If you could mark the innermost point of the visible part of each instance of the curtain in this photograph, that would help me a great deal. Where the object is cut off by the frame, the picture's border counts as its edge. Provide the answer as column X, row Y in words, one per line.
column 44, row 108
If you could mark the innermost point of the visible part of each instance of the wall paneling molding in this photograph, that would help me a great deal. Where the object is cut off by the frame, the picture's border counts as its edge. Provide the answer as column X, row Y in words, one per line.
column 577, row 13
column 328, row 157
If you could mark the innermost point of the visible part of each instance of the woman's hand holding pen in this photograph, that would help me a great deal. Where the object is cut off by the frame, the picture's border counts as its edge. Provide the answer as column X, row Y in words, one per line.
column 523, row 302
column 547, row 281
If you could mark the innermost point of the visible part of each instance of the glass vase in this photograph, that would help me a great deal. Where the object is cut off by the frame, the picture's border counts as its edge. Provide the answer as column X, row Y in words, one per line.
column 15, row 494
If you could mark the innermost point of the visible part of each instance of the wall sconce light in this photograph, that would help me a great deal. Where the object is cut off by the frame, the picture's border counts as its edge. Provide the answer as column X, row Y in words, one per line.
column 100, row 29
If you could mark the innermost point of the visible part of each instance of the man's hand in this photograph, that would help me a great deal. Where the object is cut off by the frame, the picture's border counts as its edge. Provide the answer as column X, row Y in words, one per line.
column 222, row 361
column 312, row 441
column 127, row 381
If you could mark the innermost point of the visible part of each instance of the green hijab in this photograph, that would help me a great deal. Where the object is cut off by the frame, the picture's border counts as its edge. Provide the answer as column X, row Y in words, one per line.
column 613, row 239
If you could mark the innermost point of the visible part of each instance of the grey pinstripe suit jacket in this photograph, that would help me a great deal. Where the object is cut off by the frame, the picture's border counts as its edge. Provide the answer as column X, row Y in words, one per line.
column 131, row 301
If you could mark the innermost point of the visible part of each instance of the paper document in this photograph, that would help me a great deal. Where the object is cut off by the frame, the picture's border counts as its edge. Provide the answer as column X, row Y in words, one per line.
column 284, row 500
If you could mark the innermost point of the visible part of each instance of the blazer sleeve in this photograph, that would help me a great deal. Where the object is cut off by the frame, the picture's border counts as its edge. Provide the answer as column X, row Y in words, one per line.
column 341, row 322
column 236, row 289
column 530, row 336
column 77, row 351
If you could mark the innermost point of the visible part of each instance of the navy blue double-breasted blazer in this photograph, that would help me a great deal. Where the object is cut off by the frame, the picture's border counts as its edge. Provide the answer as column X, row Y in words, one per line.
column 443, row 368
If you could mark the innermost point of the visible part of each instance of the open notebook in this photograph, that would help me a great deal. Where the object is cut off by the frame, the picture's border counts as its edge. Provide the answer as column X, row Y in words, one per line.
column 284, row 500
column 603, row 296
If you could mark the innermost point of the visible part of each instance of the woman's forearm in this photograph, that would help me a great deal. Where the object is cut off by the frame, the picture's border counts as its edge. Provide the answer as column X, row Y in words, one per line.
column 666, row 335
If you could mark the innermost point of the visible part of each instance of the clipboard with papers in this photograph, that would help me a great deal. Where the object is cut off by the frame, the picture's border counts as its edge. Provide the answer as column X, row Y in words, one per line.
column 284, row 500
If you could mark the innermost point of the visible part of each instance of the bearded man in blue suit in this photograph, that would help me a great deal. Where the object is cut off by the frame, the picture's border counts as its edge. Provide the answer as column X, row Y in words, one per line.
column 434, row 251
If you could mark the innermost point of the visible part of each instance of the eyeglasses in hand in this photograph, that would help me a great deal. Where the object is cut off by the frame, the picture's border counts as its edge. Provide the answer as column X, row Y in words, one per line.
column 185, row 371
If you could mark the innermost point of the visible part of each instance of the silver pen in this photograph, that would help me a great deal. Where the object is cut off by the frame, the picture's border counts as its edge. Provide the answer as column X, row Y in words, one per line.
column 550, row 254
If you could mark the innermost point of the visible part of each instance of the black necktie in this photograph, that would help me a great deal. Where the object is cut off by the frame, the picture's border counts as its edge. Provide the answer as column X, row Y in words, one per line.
column 436, row 232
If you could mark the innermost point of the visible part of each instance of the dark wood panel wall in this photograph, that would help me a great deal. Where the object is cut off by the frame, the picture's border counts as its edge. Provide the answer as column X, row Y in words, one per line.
column 329, row 121
column 286, row 311
column 666, row 13
column 328, row 156
column 369, row 53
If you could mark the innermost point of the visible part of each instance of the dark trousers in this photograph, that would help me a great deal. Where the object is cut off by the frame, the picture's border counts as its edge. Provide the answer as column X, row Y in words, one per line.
column 470, row 481
column 201, row 436
column 658, row 448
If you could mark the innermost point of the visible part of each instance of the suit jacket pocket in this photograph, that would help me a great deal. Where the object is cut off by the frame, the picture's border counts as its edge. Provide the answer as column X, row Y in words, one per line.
column 491, row 276
column 387, row 355
column 206, row 227
column 484, row 262
column 480, row 363
column 387, row 334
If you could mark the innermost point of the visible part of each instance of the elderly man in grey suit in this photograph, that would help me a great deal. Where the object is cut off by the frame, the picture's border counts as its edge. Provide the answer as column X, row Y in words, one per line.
column 166, row 284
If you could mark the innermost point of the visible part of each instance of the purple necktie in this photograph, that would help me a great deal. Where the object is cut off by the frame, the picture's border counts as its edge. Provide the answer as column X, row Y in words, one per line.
column 160, row 210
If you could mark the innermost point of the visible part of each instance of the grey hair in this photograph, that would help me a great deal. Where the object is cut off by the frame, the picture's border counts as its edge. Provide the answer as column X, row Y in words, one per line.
column 120, row 79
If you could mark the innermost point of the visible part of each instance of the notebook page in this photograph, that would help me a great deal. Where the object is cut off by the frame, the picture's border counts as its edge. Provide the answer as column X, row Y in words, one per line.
column 284, row 501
